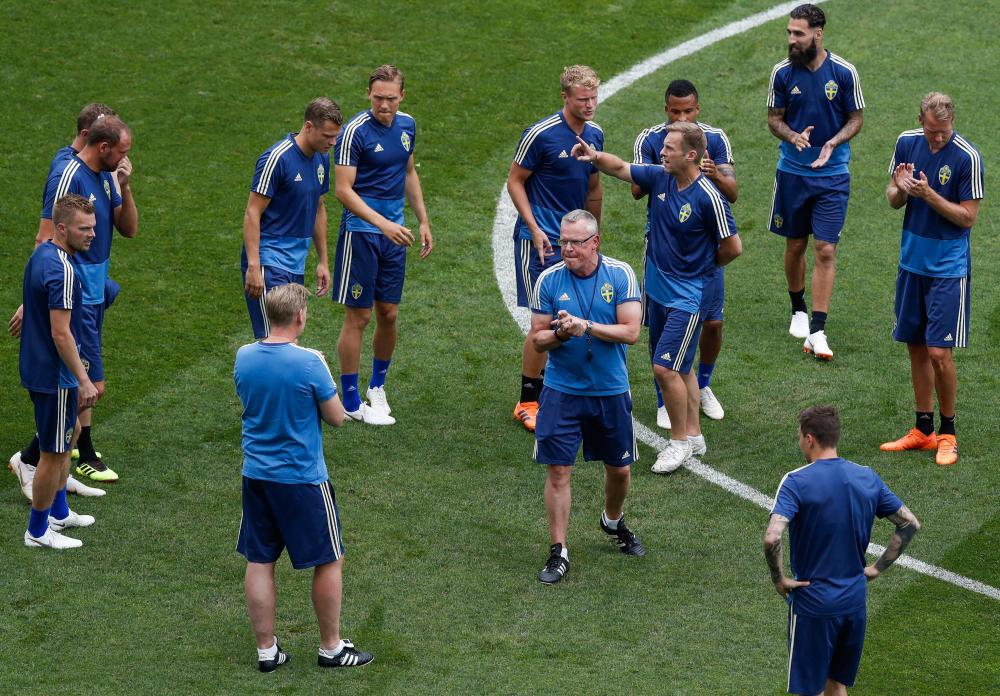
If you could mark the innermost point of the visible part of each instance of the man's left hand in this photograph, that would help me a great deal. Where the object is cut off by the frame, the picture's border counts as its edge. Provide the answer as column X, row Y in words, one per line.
column 426, row 240
column 124, row 172
column 824, row 155
column 322, row 279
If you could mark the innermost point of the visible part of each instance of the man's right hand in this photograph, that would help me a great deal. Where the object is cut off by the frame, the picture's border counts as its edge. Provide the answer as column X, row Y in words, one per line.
column 801, row 140
column 14, row 325
column 88, row 394
column 542, row 245
column 786, row 585
column 253, row 281
column 397, row 234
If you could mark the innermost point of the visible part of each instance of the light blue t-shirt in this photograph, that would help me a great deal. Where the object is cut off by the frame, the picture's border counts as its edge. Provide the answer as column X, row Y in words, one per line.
column 281, row 386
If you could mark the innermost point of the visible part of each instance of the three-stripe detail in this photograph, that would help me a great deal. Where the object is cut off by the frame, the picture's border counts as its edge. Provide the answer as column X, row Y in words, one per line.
column 66, row 178
column 345, row 266
column 859, row 99
column 718, row 205
column 347, row 138
column 264, row 185
column 332, row 523
column 531, row 134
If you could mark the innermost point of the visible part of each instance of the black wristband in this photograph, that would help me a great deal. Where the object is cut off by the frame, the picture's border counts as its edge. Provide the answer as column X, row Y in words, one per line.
column 555, row 332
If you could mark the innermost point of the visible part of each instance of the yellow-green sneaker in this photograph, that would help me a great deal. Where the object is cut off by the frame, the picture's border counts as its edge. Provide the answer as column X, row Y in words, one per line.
column 76, row 454
column 96, row 470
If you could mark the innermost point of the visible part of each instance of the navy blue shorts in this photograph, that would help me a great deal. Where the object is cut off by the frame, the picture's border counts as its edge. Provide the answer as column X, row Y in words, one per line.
column 55, row 418
column 273, row 277
column 91, row 333
column 369, row 268
column 527, row 268
column 301, row 517
column 673, row 336
column 804, row 205
column 932, row 311
column 602, row 423
column 823, row 647
column 713, row 296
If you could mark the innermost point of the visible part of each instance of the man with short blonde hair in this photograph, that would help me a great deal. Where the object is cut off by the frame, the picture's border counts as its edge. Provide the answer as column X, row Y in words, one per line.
column 579, row 76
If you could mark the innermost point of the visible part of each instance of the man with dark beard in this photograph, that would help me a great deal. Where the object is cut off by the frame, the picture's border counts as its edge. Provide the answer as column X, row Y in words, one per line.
column 814, row 106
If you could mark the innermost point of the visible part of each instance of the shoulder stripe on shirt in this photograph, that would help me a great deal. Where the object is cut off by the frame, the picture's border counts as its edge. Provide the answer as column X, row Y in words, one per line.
column 272, row 161
column 318, row 354
column 770, row 83
column 977, row 173
column 347, row 138
column 65, row 179
column 640, row 140
column 68, row 277
column 592, row 123
column 782, row 483
column 720, row 209
column 858, row 97
column 529, row 137
column 725, row 139
column 633, row 284
column 533, row 300
column 905, row 134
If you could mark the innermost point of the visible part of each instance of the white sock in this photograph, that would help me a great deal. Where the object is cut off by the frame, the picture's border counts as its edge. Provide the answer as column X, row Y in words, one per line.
column 696, row 439
column 608, row 522
column 332, row 652
column 565, row 553
column 681, row 443
column 268, row 653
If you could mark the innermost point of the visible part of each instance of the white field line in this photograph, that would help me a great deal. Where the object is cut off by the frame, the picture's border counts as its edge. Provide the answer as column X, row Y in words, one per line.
column 503, row 268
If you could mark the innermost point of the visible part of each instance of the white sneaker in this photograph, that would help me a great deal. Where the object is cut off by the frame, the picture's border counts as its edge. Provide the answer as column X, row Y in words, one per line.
column 25, row 473
column 71, row 520
column 672, row 456
column 698, row 445
column 800, row 325
column 80, row 488
column 817, row 345
column 51, row 540
column 662, row 418
column 369, row 415
column 376, row 396
column 710, row 405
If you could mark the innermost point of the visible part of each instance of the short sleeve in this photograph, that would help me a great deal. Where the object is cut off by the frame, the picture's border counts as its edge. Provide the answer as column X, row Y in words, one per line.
column 970, row 182
column 786, row 500
column 720, row 150
column 639, row 148
column 643, row 175
column 718, row 215
column 325, row 187
column 888, row 502
column 626, row 285
column 56, row 184
column 853, row 99
column 60, row 281
column 267, row 173
column 324, row 387
column 598, row 145
column 529, row 151
column 898, row 156
column 776, row 89
column 116, row 197
column 541, row 298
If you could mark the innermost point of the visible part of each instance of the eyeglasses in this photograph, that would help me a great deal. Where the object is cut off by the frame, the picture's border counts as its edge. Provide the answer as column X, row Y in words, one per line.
column 575, row 242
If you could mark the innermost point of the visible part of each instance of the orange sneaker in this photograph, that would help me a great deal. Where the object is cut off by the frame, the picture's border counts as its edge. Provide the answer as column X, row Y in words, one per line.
column 947, row 450
column 526, row 413
column 913, row 440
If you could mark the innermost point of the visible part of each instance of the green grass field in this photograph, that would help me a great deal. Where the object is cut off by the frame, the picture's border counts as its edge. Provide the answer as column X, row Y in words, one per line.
column 443, row 514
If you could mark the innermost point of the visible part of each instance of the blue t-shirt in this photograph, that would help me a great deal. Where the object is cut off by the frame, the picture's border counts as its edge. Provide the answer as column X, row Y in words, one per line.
column 71, row 175
column 595, row 297
column 281, row 386
column 50, row 282
column 831, row 505
column 932, row 245
column 381, row 155
column 822, row 99
column 294, row 183
column 559, row 182
column 685, row 228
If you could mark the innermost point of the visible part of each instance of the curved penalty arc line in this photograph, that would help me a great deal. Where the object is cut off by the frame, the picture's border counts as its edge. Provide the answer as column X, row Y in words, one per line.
column 503, row 268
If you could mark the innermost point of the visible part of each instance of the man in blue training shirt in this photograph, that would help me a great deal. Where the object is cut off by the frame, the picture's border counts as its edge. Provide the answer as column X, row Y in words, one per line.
column 544, row 184
column 829, row 506
column 287, row 209
column 691, row 232
column 814, row 107
column 586, row 311
column 23, row 462
column 376, row 176
column 681, row 104
column 938, row 175
column 52, row 370
column 287, row 391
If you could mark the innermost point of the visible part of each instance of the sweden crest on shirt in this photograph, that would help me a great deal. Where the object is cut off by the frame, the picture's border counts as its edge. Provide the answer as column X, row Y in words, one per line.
column 685, row 212
column 607, row 292
column 320, row 174
column 405, row 139
column 830, row 88
column 944, row 174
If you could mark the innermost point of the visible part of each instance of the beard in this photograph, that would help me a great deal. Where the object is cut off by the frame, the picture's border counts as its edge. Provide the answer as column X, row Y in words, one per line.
column 803, row 57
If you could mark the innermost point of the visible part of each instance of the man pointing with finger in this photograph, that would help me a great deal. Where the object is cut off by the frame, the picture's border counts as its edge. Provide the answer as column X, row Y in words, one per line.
column 814, row 107
column 544, row 184
column 376, row 176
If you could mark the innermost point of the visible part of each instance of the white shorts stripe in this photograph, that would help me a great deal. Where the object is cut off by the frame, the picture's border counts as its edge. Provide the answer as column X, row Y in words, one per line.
column 331, row 517
column 345, row 266
column 692, row 326
column 527, row 248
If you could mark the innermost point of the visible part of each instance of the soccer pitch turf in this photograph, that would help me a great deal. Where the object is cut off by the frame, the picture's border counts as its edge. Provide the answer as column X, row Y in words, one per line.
column 443, row 516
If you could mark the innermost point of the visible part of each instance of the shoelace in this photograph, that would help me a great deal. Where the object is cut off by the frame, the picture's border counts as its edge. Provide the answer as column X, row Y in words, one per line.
column 554, row 563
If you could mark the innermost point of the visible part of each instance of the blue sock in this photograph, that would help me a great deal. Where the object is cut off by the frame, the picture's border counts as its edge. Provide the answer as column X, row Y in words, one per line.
column 38, row 522
column 60, row 508
column 705, row 374
column 659, row 394
column 349, row 392
column 379, row 369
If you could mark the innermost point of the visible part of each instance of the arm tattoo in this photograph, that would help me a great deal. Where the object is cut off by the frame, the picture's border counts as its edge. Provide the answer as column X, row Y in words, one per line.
column 906, row 528
column 772, row 547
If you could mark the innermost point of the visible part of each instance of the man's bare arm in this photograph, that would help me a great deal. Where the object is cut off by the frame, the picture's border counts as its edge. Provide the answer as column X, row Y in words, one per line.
column 907, row 526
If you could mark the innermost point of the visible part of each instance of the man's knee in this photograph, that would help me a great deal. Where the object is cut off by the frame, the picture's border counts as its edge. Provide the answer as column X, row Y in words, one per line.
column 386, row 313
column 940, row 357
column 825, row 253
column 711, row 329
column 617, row 474
column 357, row 317
column 559, row 477
column 796, row 246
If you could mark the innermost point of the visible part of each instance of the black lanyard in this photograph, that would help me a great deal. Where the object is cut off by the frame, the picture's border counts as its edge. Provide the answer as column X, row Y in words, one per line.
column 579, row 302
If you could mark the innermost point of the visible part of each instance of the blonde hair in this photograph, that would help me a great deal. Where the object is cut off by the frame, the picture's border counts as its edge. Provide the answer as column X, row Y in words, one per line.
column 284, row 302
column 938, row 105
column 66, row 208
column 692, row 137
column 579, row 76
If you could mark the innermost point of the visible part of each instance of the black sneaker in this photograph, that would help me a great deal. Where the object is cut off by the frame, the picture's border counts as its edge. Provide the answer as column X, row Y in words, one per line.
column 628, row 543
column 348, row 657
column 272, row 664
column 555, row 567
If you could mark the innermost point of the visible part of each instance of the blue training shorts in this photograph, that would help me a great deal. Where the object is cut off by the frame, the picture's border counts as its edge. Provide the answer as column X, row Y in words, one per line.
column 602, row 423
column 91, row 330
column 527, row 268
column 673, row 336
column 369, row 269
column 932, row 311
column 823, row 647
column 273, row 277
column 301, row 517
column 55, row 418
column 713, row 295
column 804, row 205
